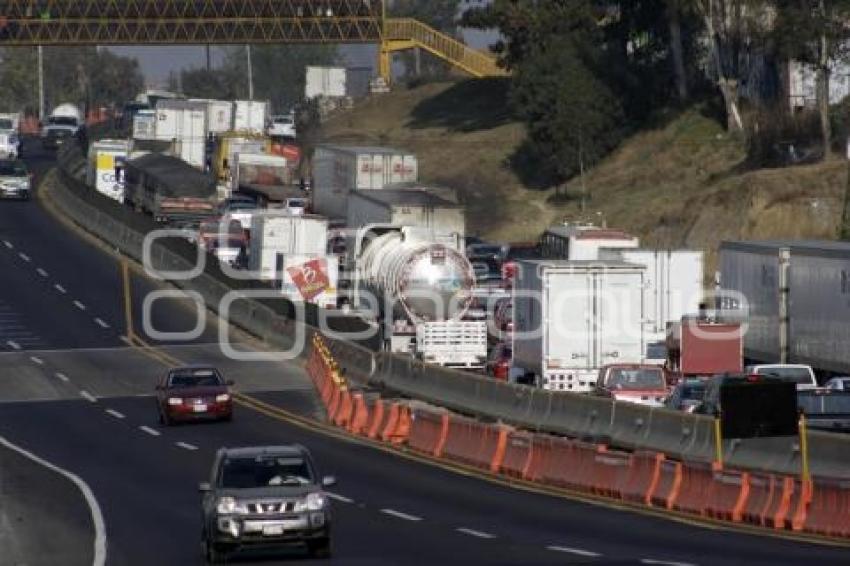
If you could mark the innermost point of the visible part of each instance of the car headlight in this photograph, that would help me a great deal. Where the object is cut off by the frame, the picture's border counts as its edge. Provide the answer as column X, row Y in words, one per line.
column 315, row 502
column 175, row 401
column 223, row 398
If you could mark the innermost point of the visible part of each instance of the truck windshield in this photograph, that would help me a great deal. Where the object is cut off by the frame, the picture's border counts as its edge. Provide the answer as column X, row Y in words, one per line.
column 62, row 121
column 264, row 471
column 12, row 169
column 6, row 124
column 643, row 378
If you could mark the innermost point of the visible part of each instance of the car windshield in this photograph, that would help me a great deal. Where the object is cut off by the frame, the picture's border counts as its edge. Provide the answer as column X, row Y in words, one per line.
column 296, row 203
column 6, row 124
column 194, row 378
column 643, row 378
column 264, row 471
column 797, row 375
column 484, row 249
column 813, row 404
column 12, row 169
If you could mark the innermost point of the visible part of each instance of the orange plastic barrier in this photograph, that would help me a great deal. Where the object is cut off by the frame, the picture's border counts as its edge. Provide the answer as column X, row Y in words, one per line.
column 377, row 416
column 666, row 490
column 829, row 510
column 428, row 432
column 727, row 495
column 475, row 443
column 800, row 505
column 519, row 454
column 608, row 471
column 401, row 431
column 553, row 458
column 360, row 415
column 780, row 508
column 333, row 403
column 390, row 423
column 697, row 479
column 345, row 409
column 642, row 478
column 765, row 490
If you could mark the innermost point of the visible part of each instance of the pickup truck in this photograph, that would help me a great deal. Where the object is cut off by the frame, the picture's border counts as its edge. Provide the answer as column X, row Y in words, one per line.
column 802, row 375
column 826, row 409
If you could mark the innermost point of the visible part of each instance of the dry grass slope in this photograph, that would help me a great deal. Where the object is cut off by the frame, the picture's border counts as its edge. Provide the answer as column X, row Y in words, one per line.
column 682, row 184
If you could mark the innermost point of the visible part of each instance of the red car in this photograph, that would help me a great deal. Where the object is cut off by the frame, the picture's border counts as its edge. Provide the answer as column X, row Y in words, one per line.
column 500, row 361
column 643, row 384
column 193, row 393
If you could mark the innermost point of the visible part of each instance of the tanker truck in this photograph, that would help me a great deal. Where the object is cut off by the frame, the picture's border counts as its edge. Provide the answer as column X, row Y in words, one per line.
column 416, row 286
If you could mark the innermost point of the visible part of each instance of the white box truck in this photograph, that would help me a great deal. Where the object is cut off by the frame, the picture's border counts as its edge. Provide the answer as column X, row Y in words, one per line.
column 184, row 124
column 337, row 170
column 407, row 207
column 673, row 281
column 219, row 114
column 275, row 233
column 575, row 241
column 309, row 278
column 144, row 125
column 325, row 81
column 573, row 317
column 250, row 116
column 107, row 161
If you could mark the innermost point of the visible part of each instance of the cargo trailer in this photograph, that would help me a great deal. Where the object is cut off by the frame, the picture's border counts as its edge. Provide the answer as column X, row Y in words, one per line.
column 573, row 317
column 276, row 234
column 107, row 167
column 699, row 348
column 582, row 241
column 250, row 116
column 325, row 82
column 184, row 124
column 407, row 207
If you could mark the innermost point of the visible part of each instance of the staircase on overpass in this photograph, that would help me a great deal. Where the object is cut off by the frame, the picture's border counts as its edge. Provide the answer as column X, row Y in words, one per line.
column 200, row 22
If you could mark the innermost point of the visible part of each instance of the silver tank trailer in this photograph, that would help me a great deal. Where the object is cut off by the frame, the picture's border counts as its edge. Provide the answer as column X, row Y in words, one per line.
column 429, row 281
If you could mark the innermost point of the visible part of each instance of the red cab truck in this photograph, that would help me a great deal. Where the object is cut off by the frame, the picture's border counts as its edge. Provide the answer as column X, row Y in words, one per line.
column 700, row 348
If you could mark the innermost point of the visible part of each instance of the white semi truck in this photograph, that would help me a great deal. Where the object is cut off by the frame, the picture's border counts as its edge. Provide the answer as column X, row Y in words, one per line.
column 63, row 123
column 416, row 286
column 573, row 317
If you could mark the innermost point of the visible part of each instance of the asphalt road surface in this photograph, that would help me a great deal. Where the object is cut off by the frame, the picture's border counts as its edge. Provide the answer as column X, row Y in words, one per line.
column 75, row 394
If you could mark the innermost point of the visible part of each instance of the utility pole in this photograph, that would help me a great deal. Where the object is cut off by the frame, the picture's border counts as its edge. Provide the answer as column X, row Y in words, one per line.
column 250, row 73
column 209, row 59
column 40, row 82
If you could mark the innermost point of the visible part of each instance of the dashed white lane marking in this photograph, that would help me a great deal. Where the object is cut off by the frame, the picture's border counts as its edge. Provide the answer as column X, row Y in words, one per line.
column 474, row 533
column 186, row 445
column 400, row 515
column 115, row 413
column 576, row 551
column 80, row 305
column 338, row 497
column 94, row 508
column 8, row 244
column 127, row 340
column 61, row 376
column 37, row 360
column 24, row 257
column 60, row 288
column 14, row 345
column 149, row 430
column 100, row 322
column 88, row 396
column 655, row 562
column 41, row 272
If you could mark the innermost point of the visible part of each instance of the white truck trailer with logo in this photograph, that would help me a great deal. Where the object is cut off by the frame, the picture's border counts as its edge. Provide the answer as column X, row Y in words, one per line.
column 107, row 167
column 276, row 235
column 573, row 317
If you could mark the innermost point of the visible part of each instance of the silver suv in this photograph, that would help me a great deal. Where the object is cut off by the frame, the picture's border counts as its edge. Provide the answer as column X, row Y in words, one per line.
column 264, row 496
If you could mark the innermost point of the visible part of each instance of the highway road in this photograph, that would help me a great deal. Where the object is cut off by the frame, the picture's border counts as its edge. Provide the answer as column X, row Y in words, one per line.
column 75, row 394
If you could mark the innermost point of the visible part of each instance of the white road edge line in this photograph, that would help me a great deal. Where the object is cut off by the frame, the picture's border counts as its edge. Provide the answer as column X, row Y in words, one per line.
column 94, row 508
column 24, row 257
column 474, row 533
column 62, row 376
column 80, row 305
column 8, row 244
column 37, row 360
column 60, row 288
column 338, row 497
column 400, row 515
column 186, row 445
column 88, row 396
column 664, row 562
column 14, row 345
column 576, row 551
column 149, row 430
column 41, row 272
column 100, row 322
column 115, row 413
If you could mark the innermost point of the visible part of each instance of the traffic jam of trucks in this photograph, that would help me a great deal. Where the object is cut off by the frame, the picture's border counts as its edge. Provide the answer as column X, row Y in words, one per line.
column 583, row 309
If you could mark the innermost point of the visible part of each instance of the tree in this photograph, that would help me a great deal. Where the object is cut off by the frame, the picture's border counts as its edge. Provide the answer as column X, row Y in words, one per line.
column 203, row 83
column 815, row 32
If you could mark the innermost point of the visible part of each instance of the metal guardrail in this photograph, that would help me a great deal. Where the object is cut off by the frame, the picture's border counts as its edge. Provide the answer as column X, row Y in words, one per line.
column 676, row 434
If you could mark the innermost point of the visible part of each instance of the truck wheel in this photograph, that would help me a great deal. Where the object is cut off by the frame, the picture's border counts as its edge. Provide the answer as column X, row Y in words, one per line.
column 320, row 548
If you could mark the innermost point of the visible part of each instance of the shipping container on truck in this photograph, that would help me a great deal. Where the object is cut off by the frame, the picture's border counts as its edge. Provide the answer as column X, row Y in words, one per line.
column 144, row 125
column 107, row 167
column 325, row 81
column 266, row 178
column 407, row 207
column 582, row 241
column 674, row 285
column 250, row 116
column 229, row 145
column 170, row 190
column 798, row 298
column 337, row 170
column 273, row 234
column 699, row 348
column 573, row 317
column 184, row 124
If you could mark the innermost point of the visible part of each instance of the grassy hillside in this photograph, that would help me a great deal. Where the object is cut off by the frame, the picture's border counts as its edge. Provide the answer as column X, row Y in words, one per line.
column 683, row 184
